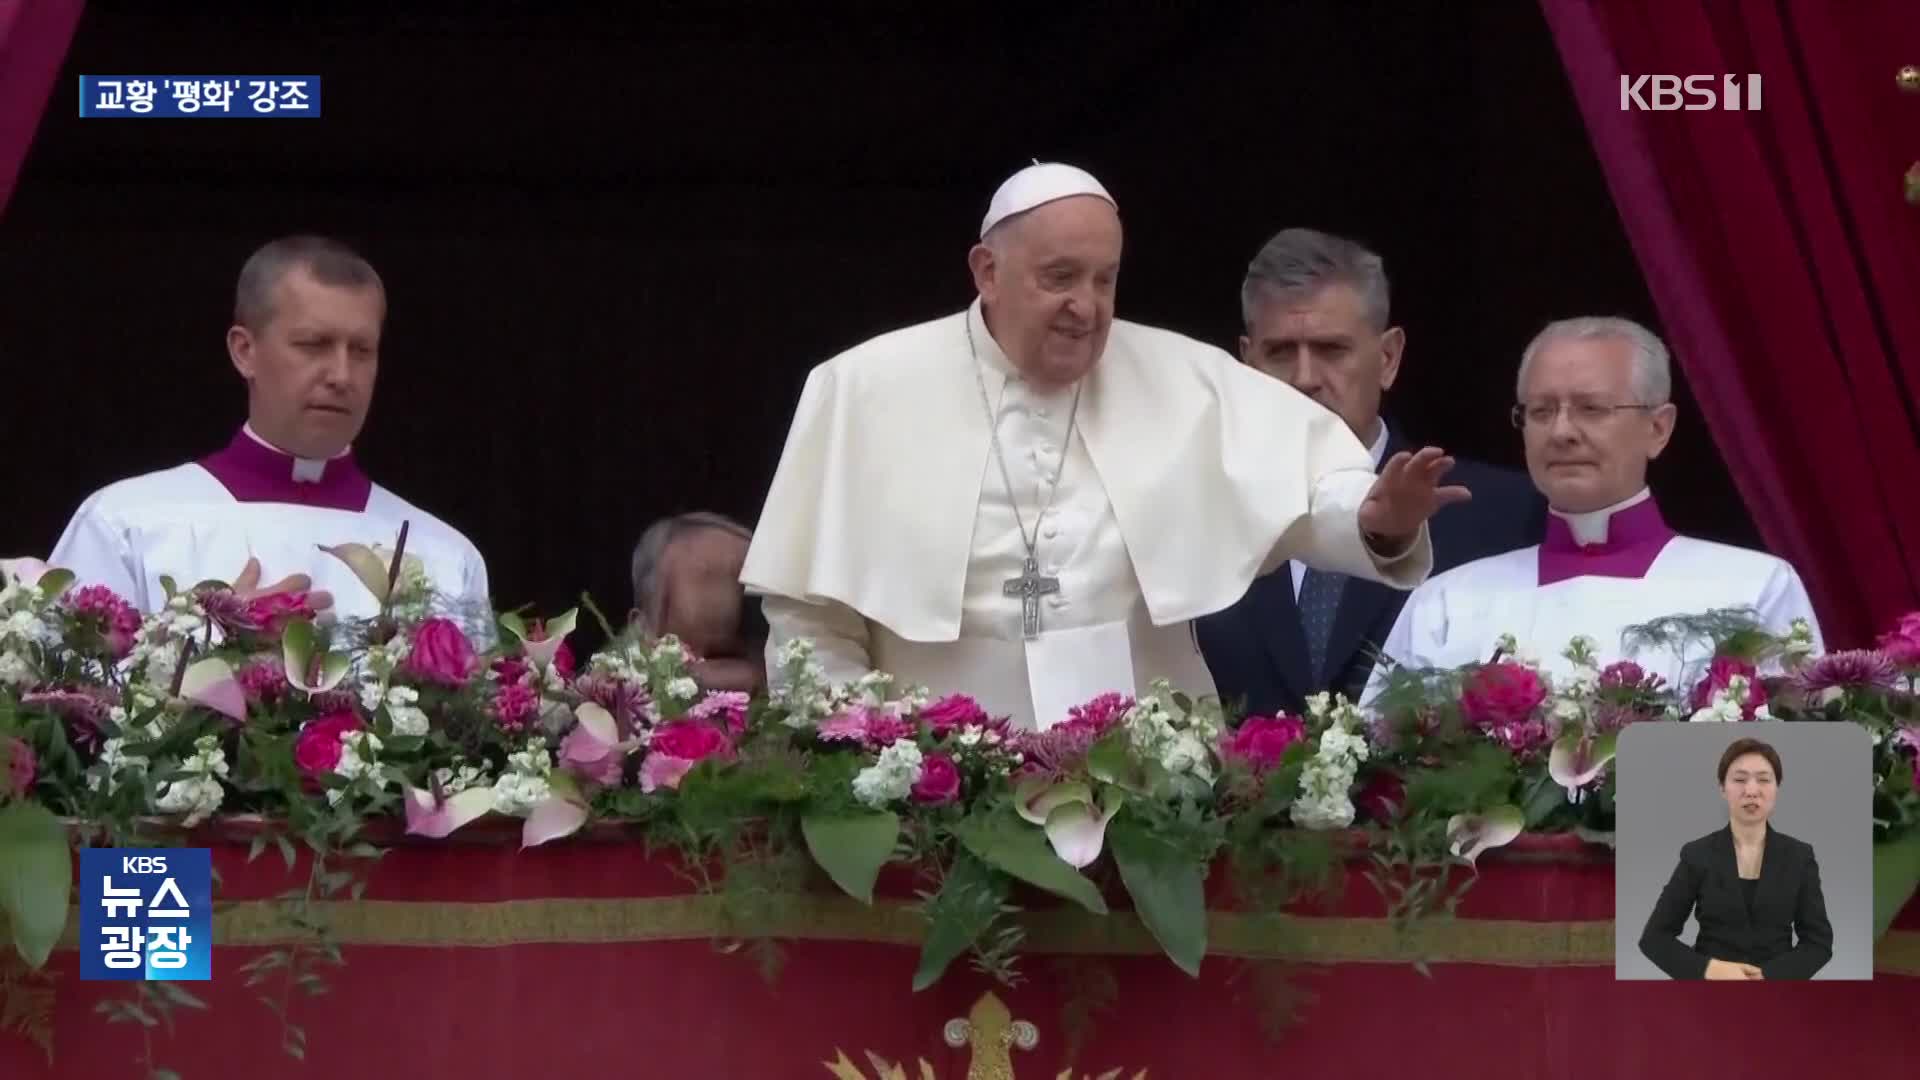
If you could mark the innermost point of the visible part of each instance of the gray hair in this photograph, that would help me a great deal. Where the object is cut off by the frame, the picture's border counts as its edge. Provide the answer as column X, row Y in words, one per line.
column 1652, row 368
column 651, row 551
column 329, row 261
column 1297, row 263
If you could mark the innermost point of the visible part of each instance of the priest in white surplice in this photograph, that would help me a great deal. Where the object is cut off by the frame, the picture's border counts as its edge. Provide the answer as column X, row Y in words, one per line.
column 306, row 338
column 1029, row 501
column 1593, row 411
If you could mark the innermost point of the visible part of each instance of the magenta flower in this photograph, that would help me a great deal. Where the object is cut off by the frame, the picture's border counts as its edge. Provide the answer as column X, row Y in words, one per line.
column 951, row 713
column 264, row 682
column 939, row 781
column 1501, row 695
column 441, row 654
column 316, row 750
column 84, row 710
column 16, row 767
column 514, row 707
column 1846, row 670
column 1261, row 741
column 1720, row 675
column 1902, row 644
column 102, row 610
column 728, row 708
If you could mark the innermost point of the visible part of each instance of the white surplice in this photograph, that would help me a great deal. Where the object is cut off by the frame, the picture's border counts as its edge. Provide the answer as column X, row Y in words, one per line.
column 184, row 524
column 1458, row 617
column 889, row 536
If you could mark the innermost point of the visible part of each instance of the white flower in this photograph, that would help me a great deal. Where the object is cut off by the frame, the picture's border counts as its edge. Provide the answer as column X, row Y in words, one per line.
column 1568, row 710
column 1318, row 704
column 15, row 671
column 199, row 794
column 1184, row 754
column 891, row 777
column 517, row 793
column 114, row 765
column 683, row 688
column 970, row 735
column 407, row 718
column 454, row 782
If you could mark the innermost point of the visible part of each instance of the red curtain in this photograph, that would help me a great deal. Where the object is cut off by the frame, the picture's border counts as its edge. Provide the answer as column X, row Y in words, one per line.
column 1784, row 262
column 34, row 35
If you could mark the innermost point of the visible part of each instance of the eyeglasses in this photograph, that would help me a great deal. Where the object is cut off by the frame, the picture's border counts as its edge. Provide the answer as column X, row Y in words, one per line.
column 1583, row 413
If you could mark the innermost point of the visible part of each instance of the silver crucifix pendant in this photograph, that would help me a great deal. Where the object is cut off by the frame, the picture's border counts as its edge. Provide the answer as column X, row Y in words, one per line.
column 1030, row 586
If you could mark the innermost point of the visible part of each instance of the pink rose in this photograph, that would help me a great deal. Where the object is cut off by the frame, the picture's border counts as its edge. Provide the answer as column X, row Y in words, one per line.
column 316, row 750
column 1261, row 741
column 939, row 781
column 441, row 653
column 1501, row 694
column 264, row 682
column 16, row 775
column 272, row 612
column 952, row 712
column 1902, row 644
column 1720, row 675
column 689, row 739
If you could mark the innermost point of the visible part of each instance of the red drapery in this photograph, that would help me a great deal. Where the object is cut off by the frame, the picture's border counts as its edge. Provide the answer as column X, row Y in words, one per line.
column 34, row 35
column 1784, row 262
column 468, row 959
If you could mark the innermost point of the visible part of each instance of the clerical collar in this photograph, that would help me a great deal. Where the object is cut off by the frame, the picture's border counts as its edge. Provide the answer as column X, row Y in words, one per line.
column 1379, row 447
column 985, row 346
column 1621, row 540
column 252, row 470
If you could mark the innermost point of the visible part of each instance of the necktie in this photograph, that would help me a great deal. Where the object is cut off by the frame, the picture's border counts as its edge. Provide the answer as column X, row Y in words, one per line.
column 1319, row 601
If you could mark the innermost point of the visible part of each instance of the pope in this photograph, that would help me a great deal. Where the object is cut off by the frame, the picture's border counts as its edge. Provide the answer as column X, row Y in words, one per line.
column 1030, row 501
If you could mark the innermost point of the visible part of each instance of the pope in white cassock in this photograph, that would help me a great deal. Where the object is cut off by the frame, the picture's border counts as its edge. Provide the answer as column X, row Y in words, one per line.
column 1593, row 410
column 306, row 338
column 1029, row 501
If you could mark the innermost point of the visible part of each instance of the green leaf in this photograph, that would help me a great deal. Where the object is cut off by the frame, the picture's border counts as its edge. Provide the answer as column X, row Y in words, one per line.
column 1008, row 844
column 1168, row 889
column 55, row 582
column 286, row 849
column 852, row 849
column 512, row 623
column 1543, row 798
column 258, row 845
column 177, row 994
column 968, row 903
column 36, row 878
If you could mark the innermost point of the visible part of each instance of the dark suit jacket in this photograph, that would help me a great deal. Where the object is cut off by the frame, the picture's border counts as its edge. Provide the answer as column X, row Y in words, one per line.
column 1706, row 884
column 1256, row 648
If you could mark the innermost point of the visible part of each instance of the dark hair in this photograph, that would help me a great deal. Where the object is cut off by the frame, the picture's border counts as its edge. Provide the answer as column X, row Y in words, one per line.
column 1743, row 747
column 329, row 261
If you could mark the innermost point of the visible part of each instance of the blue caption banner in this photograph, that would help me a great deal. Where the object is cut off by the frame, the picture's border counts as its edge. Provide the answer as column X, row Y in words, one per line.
column 184, row 96
column 146, row 914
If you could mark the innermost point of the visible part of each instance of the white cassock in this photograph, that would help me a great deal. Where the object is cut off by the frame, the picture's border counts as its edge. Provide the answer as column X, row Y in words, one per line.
column 889, row 539
column 1597, row 574
column 205, row 519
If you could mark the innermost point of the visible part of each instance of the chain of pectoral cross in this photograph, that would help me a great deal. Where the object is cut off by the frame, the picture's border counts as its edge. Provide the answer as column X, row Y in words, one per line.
column 1031, row 585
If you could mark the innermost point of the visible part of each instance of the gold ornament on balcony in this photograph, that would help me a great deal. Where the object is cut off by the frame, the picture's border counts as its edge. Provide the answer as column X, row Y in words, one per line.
column 989, row 1031
column 1909, row 78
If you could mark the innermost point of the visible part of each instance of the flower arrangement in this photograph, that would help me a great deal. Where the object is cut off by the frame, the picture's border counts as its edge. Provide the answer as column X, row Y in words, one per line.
column 224, row 702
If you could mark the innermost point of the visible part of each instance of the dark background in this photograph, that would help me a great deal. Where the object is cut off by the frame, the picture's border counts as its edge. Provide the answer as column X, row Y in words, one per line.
column 613, row 248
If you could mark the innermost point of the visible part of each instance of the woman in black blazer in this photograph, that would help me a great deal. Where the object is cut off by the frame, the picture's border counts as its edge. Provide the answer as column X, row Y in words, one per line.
column 1751, row 888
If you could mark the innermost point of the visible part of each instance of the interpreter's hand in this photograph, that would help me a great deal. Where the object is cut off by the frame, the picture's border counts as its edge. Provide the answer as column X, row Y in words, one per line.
column 1405, row 495
column 1730, row 971
column 247, row 587
column 728, row 674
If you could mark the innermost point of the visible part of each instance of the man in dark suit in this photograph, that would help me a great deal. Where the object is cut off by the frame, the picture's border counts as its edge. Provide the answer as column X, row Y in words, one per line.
column 1316, row 312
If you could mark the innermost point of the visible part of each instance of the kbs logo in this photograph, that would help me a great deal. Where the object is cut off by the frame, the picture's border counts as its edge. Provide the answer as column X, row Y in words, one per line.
column 1694, row 93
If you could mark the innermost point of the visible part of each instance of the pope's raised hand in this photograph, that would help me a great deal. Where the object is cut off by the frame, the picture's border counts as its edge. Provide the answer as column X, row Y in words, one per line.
column 1407, row 493
column 247, row 587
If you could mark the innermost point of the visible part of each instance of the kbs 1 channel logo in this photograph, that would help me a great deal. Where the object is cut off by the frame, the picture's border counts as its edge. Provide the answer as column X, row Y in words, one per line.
column 160, row 97
column 1692, row 93
column 146, row 914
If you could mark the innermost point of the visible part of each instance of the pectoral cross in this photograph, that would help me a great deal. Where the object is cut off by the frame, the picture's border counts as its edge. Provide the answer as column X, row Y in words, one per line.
column 1030, row 586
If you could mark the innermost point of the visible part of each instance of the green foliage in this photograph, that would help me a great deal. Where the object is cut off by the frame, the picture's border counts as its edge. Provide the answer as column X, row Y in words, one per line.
column 1167, row 882
column 1010, row 845
column 36, row 878
column 852, row 849
column 965, row 909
